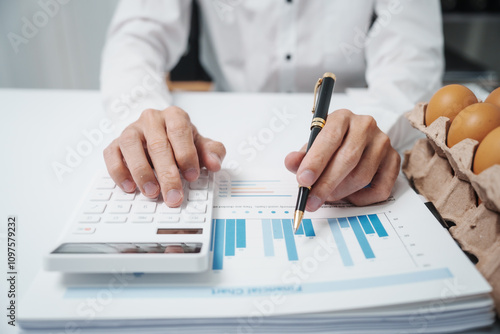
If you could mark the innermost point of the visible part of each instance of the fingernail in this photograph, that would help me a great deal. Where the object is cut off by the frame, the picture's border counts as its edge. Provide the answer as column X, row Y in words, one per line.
column 128, row 186
column 150, row 189
column 313, row 203
column 191, row 174
column 306, row 178
column 173, row 197
column 216, row 157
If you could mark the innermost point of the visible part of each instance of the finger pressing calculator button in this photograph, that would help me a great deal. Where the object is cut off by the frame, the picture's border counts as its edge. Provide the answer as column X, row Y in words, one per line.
column 167, row 219
column 199, row 184
column 116, row 219
column 142, row 219
column 196, row 207
column 197, row 195
column 145, row 207
column 100, row 195
column 119, row 208
column 203, row 173
column 84, row 230
column 194, row 218
column 105, row 183
column 89, row 219
column 141, row 197
column 94, row 208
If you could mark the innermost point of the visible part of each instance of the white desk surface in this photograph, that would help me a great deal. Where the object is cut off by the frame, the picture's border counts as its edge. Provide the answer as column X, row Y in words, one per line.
column 39, row 126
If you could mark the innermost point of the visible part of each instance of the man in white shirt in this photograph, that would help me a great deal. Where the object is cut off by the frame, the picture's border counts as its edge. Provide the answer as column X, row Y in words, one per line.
column 271, row 45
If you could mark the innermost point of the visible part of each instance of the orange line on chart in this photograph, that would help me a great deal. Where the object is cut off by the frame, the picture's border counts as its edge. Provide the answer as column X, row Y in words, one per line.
column 252, row 192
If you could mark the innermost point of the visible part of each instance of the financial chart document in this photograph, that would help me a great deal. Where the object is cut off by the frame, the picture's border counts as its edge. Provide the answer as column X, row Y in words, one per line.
column 342, row 258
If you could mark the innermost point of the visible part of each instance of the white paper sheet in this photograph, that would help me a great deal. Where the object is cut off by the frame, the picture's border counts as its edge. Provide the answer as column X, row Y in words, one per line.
column 391, row 260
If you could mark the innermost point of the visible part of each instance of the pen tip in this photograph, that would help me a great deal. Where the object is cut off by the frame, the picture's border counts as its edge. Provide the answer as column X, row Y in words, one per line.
column 297, row 219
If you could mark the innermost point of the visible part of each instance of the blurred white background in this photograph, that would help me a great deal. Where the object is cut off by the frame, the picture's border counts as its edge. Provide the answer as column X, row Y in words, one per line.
column 58, row 43
column 53, row 43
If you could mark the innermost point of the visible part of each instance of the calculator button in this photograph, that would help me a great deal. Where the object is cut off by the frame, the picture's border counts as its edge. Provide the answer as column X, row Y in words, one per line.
column 89, row 219
column 141, row 197
column 203, row 173
column 100, row 195
column 196, row 207
column 197, row 195
column 116, row 219
column 142, row 219
column 94, row 208
column 199, row 184
column 167, row 219
column 194, row 218
column 105, row 183
column 123, row 196
column 119, row 208
column 163, row 208
column 145, row 207
column 84, row 230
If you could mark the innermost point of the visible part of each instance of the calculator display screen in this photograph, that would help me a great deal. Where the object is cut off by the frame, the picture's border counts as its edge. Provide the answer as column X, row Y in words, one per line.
column 127, row 248
column 179, row 231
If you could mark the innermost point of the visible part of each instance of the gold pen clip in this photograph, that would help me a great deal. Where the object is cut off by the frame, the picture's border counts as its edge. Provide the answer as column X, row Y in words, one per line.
column 318, row 83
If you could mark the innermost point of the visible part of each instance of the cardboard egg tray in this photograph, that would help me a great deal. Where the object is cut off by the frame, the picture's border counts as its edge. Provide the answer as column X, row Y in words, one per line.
column 444, row 177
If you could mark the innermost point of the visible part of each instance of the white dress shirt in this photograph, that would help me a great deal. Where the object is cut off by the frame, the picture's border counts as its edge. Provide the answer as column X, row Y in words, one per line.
column 276, row 46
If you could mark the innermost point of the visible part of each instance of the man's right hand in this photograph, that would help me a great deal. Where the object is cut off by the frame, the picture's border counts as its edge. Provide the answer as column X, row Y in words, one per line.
column 166, row 141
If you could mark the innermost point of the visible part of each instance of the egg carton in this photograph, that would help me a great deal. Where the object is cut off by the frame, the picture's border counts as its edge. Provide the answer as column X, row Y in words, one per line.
column 471, row 202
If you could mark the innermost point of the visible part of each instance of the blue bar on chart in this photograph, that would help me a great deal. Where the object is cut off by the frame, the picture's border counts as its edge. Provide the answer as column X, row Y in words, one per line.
column 230, row 237
column 365, row 223
column 241, row 235
column 218, row 244
column 308, row 228
column 213, row 235
column 343, row 222
column 277, row 229
column 360, row 235
column 291, row 248
column 377, row 224
column 267, row 237
column 300, row 230
column 340, row 241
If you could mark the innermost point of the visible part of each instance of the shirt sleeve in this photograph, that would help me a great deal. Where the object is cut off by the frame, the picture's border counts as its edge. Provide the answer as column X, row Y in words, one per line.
column 404, row 59
column 145, row 40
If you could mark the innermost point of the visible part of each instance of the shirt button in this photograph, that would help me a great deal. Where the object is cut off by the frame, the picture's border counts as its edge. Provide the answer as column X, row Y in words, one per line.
column 288, row 57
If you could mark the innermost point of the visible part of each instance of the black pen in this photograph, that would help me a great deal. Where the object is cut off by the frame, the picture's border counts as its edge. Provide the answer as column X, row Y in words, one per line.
column 320, row 112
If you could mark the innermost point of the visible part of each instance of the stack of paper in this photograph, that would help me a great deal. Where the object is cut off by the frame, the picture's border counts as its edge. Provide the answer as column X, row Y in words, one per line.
column 387, row 268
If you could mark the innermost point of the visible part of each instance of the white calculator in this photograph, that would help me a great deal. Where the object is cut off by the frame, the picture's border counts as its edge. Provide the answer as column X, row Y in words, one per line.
column 113, row 231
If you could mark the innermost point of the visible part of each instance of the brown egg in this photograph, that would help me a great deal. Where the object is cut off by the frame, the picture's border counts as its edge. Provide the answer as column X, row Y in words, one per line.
column 494, row 97
column 474, row 122
column 488, row 152
column 449, row 101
